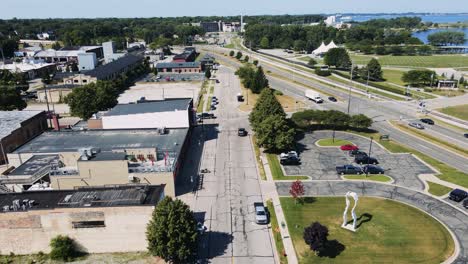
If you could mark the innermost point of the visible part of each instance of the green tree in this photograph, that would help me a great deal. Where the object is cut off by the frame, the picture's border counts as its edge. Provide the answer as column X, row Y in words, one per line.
column 264, row 43
column 260, row 81
column 360, row 121
column 62, row 248
column 207, row 74
column 338, row 57
column 255, row 62
column 312, row 62
column 10, row 99
column 419, row 77
column 446, row 38
column 337, row 118
column 56, row 46
column 375, row 70
column 231, row 53
column 300, row 45
column 274, row 133
column 238, row 55
column 172, row 232
column 246, row 58
column 82, row 101
column 266, row 105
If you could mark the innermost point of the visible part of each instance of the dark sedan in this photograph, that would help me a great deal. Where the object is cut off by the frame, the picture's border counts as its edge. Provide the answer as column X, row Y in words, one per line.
column 332, row 99
column 371, row 169
column 366, row 160
column 427, row 121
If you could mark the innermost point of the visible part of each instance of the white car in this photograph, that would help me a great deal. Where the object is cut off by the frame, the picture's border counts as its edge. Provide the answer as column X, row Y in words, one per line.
column 416, row 125
column 290, row 154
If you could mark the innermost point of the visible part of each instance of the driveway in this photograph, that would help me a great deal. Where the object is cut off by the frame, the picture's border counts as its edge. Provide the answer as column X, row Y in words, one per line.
column 453, row 218
column 319, row 163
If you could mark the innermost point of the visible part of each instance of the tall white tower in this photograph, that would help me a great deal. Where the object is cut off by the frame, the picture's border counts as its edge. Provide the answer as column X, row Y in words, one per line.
column 242, row 24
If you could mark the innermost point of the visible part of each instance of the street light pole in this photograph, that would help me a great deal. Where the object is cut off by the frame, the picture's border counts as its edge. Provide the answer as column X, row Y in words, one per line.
column 351, row 79
column 368, row 157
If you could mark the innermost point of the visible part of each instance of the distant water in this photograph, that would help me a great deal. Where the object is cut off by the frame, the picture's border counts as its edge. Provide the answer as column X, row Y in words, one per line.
column 422, row 35
column 436, row 18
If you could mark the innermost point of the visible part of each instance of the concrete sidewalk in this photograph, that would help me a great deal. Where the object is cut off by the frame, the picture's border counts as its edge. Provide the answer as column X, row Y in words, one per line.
column 269, row 192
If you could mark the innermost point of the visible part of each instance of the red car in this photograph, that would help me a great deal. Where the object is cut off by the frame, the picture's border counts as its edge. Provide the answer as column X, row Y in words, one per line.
column 349, row 147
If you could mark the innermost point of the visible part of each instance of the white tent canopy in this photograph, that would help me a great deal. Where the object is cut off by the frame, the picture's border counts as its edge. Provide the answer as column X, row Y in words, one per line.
column 324, row 48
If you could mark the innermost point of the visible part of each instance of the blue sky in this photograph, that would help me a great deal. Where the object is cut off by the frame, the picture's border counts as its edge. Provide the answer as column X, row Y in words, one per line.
column 156, row 8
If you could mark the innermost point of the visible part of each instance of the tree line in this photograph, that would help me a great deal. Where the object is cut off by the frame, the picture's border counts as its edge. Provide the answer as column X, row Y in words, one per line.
column 446, row 38
column 325, row 119
column 11, row 86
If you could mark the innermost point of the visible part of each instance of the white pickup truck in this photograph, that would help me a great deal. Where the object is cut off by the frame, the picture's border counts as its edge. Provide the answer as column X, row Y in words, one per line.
column 314, row 96
column 261, row 216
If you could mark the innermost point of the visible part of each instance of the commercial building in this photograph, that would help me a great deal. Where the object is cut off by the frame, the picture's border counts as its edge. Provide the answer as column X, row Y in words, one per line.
column 18, row 127
column 212, row 26
column 106, row 72
column 186, row 56
column 68, row 159
column 179, row 67
column 30, row 68
column 100, row 219
column 169, row 113
column 69, row 54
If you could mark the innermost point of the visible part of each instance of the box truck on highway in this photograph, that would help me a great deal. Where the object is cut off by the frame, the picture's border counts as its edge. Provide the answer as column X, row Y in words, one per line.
column 314, row 96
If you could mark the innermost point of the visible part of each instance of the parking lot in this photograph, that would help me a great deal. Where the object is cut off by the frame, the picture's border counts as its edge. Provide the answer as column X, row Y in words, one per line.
column 319, row 162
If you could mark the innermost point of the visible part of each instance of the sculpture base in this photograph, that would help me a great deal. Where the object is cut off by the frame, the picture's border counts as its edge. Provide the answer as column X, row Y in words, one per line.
column 349, row 227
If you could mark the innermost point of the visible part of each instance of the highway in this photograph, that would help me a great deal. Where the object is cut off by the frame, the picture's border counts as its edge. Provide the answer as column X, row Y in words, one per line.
column 380, row 110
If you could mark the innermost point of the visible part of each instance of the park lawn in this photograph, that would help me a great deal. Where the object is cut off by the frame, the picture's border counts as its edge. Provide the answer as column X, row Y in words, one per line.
column 459, row 111
column 437, row 189
column 372, row 177
column 434, row 61
column 116, row 258
column 449, row 93
column 393, row 76
column 276, row 233
column 277, row 172
column 328, row 142
column 388, row 232
column 287, row 102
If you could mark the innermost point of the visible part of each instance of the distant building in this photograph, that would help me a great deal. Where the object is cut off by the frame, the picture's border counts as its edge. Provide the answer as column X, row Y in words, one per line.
column 30, row 68
column 169, row 113
column 212, row 26
column 68, row 159
column 447, row 84
column 110, row 53
column 179, row 67
column 100, row 219
column 87, row 61
column 106, row 72
column 67, row 54
column 231, row 27
column 186, row 56
column 207, row 61
column 17, row 128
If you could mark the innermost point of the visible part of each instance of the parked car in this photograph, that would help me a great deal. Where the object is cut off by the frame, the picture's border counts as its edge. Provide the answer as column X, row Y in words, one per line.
column 465, row 203
column 241, row 132
column 349, row 147
column 372, row 169
column 213, row 107
column 290, row 161
column 427, row 121
column 332, row 99
column 240, row 98
column 416, row 125
column 348, row 169
column 366, row 160
column 465, row 135
column 289, row 154
column 261, row 216
column 207, row 116
column 357, row 153
column 458, row 195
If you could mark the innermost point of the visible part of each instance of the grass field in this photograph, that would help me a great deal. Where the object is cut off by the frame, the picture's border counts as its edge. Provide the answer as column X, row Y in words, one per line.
column 373, row 177
column 435, row 61
column 277, row 172
column 276, row 233
column 388, row 232
column 393, row 76
column 328, row 142
column 115, row 258
column 460, row 111
column 449, row 93
column 437, row 189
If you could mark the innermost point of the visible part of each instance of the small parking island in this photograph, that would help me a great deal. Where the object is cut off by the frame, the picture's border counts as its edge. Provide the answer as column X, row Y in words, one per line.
column 387, row 232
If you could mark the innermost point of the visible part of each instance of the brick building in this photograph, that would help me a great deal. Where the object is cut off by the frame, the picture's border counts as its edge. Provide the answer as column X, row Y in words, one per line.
column 179, row 67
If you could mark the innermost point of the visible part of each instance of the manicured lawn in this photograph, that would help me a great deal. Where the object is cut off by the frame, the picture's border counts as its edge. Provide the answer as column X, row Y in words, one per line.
column 437, row 189
column 435, row 61
column 460, row 111
column 328, row 142
column 393, row 76
column 388, row 232
column 200, row 104
column 372, row 177
column 276, row 233
column 449, row 93
column 277, row 172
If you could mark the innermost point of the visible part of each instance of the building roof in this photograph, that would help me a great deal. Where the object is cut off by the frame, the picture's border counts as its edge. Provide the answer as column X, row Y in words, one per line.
column 173, row 65
column 108, row 156
column 11, row 120
column 25, row 67
column 35, row 164
column 105, row 140
column 167, row 105
column 125, row 195
column 114, row 66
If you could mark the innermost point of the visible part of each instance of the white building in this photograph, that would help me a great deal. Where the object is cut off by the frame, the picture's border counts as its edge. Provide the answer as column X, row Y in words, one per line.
column 169, row 113
column 330, row 21
column 87, row 61
column 31, row 68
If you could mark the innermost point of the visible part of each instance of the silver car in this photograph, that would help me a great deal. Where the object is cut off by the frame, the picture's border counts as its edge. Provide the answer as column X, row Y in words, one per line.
column 416, row 125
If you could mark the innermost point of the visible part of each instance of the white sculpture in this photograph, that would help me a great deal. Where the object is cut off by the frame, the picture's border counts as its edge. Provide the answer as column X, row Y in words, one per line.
column 353, row 212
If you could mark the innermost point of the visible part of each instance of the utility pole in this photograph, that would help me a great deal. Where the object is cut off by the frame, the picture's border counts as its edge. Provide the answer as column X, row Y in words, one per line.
column 351, row 79
column 368, row 157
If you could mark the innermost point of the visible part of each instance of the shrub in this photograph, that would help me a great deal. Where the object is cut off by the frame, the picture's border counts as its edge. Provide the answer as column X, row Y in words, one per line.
column 63, row 248
column 320, row 72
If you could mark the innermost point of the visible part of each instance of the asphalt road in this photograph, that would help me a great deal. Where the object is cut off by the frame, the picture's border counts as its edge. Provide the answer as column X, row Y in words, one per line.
column 226, row 194
column 453, row 218
column 379, row 111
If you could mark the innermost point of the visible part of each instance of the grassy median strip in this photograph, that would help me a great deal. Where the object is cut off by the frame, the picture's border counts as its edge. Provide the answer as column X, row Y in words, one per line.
column 459, row 111
column 328, row 142
column 437, row 141
column 208, row 105
column 373, row 177
column 277, row 172
column 200, row 104
column 437, row 189
column 261, row 169
column 276, row 233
